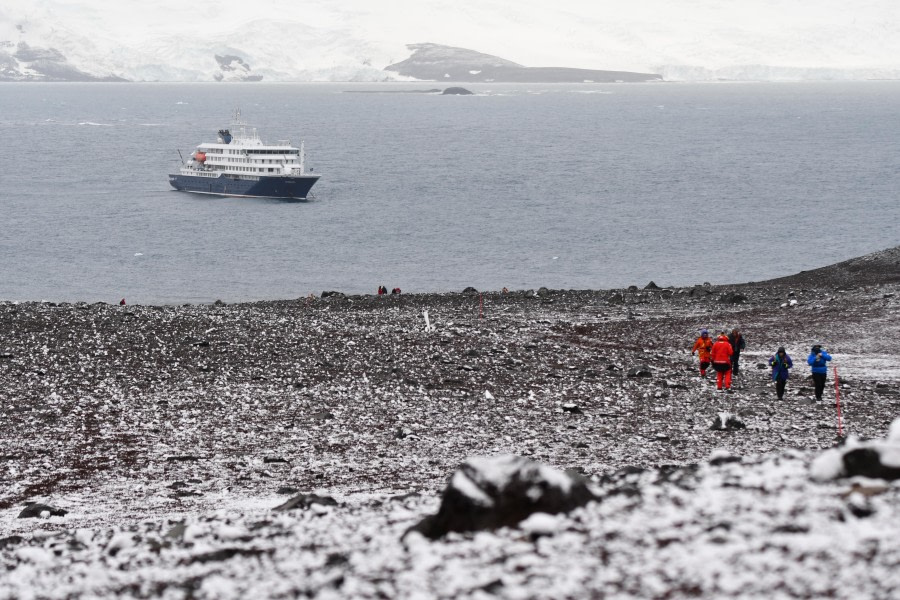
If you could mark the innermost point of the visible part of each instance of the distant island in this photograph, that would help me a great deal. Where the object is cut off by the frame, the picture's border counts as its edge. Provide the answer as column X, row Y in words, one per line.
column 428, row 62
column 435, row 62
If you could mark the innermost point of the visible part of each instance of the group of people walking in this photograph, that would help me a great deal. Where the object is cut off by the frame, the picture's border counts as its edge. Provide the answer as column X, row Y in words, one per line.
column 724, row 354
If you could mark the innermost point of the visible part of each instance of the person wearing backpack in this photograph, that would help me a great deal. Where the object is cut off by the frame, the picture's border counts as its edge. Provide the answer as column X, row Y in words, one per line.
column 703, row 345
column 780, row 364
column 721, row 362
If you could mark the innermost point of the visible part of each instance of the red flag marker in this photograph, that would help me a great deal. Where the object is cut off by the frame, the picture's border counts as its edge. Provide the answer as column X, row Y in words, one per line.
column 837, row 401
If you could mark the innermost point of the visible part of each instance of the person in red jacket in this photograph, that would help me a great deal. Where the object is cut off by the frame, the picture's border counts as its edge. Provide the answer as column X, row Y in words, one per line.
column 721, row 362
column 703, row 345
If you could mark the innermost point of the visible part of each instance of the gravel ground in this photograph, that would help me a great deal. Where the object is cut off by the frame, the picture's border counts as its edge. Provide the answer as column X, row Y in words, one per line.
column 131, row 414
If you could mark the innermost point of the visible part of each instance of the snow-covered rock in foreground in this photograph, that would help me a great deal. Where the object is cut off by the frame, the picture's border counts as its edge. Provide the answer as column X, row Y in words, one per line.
column 878, row 459
column 493, row 492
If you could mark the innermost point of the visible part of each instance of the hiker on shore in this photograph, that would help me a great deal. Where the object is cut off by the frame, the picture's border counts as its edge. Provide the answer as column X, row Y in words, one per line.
column 780, row 364
column 721, row 361
column 818, row 361
column 703, row 345
column 737, row 344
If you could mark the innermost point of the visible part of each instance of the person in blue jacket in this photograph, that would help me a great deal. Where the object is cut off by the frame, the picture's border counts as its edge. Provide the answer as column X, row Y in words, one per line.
column 818, row 360
column 780, row 364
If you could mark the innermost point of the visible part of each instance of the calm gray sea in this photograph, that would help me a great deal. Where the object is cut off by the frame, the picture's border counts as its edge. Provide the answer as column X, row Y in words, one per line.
column 522, row 186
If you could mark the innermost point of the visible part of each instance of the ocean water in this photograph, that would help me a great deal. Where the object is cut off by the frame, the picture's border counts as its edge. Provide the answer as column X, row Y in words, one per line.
column 519, row 186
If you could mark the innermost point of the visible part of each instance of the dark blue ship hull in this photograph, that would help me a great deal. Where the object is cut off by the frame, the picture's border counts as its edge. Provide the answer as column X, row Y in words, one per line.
column 264, row 187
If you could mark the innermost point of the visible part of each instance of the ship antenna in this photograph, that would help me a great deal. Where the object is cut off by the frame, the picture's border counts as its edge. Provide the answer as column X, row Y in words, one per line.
column 181, row 157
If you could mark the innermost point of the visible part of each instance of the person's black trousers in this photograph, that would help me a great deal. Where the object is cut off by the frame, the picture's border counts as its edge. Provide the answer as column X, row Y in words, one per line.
column 819, row 381
column 780, row 384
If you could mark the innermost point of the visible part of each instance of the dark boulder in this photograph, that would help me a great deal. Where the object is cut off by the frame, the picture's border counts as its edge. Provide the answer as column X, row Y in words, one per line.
column 470, row 290
column 651, row 286
column 642, row 371
column 733, row 298
column 34, row 510
column 489, row 493
column 866, row 462
column 305, row 501
column 328, row 294
column 698, row 292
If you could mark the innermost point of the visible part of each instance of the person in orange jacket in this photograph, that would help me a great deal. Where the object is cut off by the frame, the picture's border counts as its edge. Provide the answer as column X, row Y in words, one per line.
column 721, row 362
column 702, row 346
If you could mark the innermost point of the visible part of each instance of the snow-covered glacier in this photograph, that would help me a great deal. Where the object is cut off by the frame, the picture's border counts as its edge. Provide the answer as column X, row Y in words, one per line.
column 354, row 40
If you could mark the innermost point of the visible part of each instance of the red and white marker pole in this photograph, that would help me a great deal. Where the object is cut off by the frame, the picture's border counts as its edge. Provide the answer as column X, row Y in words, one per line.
column 837, row 401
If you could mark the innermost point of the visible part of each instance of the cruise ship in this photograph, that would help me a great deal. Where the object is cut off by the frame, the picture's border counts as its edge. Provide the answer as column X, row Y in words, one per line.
column 239, row 163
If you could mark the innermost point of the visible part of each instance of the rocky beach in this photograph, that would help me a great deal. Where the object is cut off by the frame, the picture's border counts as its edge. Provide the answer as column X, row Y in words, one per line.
column 286, row 448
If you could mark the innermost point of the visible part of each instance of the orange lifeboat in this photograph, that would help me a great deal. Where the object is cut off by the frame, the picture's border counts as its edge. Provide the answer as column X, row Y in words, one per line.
column 200, row 156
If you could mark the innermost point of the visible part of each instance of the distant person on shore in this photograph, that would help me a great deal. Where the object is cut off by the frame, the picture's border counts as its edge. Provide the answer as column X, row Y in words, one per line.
column 818, row 361
column 396, row 290
column 721, row 361
column 737, row 344
column 703, row 346
column 780, row 364
column 382, row 290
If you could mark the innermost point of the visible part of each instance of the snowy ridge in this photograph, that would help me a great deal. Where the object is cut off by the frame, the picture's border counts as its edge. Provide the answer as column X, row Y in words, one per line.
column 319, row 40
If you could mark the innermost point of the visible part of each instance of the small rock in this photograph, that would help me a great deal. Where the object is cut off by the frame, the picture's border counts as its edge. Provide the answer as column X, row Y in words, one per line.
column 642, row 371
column 726, row 421
column 10, row 541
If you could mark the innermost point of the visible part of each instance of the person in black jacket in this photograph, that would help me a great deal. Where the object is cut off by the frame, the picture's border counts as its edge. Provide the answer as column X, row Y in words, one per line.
column 737, row 344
